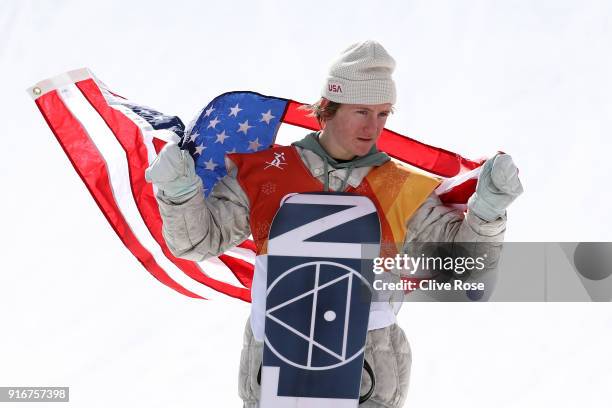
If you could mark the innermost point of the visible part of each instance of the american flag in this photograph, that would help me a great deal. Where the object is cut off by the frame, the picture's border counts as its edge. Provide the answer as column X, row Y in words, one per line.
column 110, row 141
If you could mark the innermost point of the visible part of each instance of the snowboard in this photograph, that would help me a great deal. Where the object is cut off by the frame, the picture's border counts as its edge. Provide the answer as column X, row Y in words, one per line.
column 321, row 248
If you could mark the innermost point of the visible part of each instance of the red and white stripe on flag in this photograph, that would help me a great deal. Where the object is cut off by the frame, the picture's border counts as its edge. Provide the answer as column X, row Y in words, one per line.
column 110, row 147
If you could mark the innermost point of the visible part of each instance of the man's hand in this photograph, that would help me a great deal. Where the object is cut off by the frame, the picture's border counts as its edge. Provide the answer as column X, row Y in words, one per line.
column 173, row 172
column 498, row 185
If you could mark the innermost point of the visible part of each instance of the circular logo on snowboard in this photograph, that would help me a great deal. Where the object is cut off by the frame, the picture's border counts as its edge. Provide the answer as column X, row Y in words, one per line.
column 316, row 317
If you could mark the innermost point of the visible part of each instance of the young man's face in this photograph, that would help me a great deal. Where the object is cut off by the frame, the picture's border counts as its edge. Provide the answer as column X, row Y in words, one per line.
column 354, row 129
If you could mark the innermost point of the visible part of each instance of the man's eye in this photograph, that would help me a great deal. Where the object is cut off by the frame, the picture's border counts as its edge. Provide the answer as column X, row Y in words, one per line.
column 384, row 114
column 362, row 112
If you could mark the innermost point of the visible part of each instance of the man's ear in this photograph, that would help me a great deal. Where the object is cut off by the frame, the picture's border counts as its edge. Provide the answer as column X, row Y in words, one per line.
column 323, row 105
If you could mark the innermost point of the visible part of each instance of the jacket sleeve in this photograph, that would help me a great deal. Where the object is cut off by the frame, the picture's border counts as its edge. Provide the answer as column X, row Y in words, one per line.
column 202, row 228
column 460, row 234
column 436, row 222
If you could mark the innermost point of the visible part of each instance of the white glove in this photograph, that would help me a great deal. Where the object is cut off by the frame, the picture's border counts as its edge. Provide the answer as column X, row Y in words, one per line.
column 498, row 186
column 173, row 172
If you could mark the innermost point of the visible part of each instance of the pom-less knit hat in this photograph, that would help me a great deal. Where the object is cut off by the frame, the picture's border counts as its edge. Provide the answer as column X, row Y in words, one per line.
column 361, row 75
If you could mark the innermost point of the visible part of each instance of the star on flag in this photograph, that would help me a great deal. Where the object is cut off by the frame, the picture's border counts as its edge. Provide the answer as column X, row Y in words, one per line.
column 232, row 123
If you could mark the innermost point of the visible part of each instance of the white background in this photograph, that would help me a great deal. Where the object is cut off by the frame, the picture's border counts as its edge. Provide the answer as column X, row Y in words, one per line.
column 531, row 78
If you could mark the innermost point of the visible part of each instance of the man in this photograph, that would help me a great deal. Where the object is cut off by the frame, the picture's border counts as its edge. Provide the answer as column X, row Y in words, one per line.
column 357, row 98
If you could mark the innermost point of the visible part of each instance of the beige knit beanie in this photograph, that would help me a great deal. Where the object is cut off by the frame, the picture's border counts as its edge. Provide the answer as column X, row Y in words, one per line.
column 361, row 75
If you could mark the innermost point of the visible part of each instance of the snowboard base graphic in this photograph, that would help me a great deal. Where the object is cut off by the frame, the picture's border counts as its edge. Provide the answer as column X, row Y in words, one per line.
column 320, row 257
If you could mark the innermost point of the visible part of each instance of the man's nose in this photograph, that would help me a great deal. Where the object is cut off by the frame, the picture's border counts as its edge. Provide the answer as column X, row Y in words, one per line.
column 371, row 123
